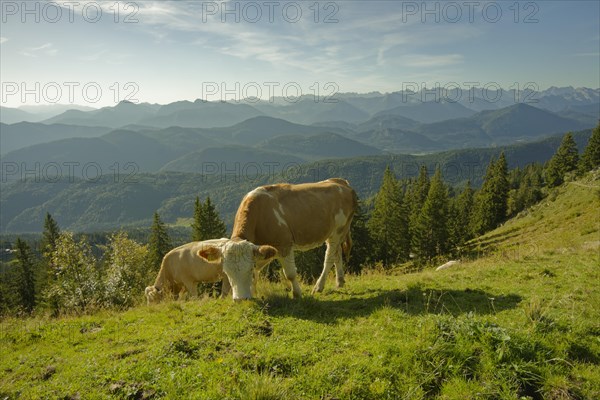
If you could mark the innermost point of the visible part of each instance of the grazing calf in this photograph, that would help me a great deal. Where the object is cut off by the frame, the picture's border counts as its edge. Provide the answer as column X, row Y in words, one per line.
column 273, row 221
column 183, row 268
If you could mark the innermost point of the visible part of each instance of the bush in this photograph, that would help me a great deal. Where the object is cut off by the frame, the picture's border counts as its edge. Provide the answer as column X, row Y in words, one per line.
column 75, row 283
column 126, row 270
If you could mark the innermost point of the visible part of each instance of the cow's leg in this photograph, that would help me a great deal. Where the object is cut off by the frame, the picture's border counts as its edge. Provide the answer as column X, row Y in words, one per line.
column 179, row 290
column 192, row 289
column 330, row 259
column 289, row 270
column 225, row 287
column 339, row 268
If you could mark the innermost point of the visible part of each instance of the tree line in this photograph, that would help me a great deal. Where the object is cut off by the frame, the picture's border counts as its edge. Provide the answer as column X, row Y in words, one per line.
column 415, row 222
column 65, row 274
column 423, row 220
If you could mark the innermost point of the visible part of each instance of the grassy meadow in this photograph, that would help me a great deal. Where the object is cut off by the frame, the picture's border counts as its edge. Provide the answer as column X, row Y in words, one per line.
column 518, row 318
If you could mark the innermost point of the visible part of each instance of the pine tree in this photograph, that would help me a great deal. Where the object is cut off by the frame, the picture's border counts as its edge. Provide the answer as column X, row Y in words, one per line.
column 362, row 243
column 591, row 155
column 214, row 225
column 431, row 229
column 491, row 202
column 501, row 188
column 466, row 201
column 26, row 276
column 388, row 225
column 564, row 160
column 528, row 191
column 197, row 223
column 416, row 195
column 159, row 243
column 49, row 236
column 207, row 223
column 459, row 216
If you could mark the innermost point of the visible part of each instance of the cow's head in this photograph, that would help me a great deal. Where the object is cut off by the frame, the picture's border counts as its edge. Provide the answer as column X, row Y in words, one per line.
column 238, row 258
column 153, row 294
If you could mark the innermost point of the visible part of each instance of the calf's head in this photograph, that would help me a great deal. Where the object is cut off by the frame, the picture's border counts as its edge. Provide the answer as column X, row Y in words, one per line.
column 238, row 258
column 153, row 294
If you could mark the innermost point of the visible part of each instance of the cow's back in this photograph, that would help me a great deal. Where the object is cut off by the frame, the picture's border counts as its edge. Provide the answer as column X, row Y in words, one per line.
column 301, row 216
column 183, row 263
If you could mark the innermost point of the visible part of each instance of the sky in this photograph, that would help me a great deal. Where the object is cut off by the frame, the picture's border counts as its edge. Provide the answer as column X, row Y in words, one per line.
column 99, row 53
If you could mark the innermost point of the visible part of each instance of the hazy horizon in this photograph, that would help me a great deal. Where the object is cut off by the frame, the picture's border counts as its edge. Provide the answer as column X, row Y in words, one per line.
column 30, row 106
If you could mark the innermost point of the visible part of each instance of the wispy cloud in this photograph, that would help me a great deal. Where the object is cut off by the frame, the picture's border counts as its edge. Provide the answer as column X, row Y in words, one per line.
column 429, row 60
column 46, row 49
column 3, row 39
column 362, row 37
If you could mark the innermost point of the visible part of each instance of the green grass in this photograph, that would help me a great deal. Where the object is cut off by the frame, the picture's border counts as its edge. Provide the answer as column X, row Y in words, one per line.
column 521, row 321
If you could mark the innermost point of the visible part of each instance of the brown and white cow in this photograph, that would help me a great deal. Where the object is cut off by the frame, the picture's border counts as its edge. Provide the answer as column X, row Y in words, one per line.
column 183, row 268
column 273, row 221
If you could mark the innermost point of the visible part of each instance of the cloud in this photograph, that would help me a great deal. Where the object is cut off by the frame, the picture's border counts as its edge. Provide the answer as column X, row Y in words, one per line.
column 365, row 37
column 3, row 40
column 428, row 60
column 46, row 49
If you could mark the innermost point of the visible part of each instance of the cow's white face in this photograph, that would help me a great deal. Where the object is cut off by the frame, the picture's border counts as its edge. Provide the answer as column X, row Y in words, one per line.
column 238, row 259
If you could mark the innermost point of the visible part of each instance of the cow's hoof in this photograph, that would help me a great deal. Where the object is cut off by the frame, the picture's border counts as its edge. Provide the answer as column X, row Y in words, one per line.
column 316, row 289
column 340, row 285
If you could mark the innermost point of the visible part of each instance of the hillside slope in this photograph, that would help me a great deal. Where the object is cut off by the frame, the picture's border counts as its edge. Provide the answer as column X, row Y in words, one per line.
column 520, row 321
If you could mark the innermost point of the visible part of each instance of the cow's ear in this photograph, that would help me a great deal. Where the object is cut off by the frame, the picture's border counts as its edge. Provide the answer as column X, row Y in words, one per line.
column 210, row 253
column 265, row 252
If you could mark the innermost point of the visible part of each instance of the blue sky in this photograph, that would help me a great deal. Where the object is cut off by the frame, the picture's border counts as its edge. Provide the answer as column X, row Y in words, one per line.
column 177, row 50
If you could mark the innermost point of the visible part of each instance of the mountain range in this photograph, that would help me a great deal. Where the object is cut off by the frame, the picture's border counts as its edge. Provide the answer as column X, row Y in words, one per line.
column 350, row 107
column 111, row 201
column 104, row 167
column 265, row 140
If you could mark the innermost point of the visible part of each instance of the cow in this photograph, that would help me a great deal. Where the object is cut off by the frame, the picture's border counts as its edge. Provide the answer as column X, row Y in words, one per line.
column 272, row 221
column 183, row 268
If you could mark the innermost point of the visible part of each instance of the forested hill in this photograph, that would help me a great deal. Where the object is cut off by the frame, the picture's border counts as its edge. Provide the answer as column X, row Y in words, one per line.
column 113, row 201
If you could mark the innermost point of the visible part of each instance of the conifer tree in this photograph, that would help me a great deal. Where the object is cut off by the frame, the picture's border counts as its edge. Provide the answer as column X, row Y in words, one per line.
column 197, row 222
column 591, row 155
column 421, row 188
column 491, row 202
column 388, row 225
column 49, row 237
column 215, row 227
column 207, row 223
column 159, row 243
column 26, row 279
column 466, row 201
column 501, row 188
column 431, row 229
column 528, row 191
column 416, row 194
column 362, row 243
column 459, row 216
column 564, row 160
